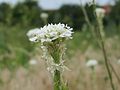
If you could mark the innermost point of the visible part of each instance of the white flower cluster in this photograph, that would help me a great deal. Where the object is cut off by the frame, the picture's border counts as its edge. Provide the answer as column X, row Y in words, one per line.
column 33, row 62
column 50, row 32
column 50, row 36
column 100, row 12
column 44, row 15
column 91, row 63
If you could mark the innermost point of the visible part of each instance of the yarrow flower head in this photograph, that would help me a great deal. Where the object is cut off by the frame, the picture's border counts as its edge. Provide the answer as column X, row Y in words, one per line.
column 52, row 37
column 33, row 62
column 50, row 32
column 100, row 12
column 91, row 63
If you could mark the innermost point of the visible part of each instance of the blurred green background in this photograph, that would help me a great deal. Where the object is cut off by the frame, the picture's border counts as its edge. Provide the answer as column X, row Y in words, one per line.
column 15, row 21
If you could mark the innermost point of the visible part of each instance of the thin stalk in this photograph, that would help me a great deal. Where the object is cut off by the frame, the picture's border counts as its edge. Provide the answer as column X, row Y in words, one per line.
column 87, row 18
column 115, row 72
column 101, row 40
column 106, row 64
column 92, row 28
column 45, row 21
column 85, row 14
column 104, row 53
column 93, row 78
column 89, row 22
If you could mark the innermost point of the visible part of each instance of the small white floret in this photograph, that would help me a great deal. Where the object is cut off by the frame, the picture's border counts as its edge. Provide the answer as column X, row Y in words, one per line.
column 50, row 32
column 33, row 62
column 91, row 63
column 33, row 34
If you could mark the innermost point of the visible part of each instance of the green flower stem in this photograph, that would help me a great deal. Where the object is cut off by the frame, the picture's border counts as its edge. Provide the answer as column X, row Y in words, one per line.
column 56, row 50
column 45, row 21
column 101, row 40
column 107, row 65
column 101, row 32
column 93, row 78
column 101, row 36
column 57, row 75
column 115, row 73
column 57, row 80
column 87, row 19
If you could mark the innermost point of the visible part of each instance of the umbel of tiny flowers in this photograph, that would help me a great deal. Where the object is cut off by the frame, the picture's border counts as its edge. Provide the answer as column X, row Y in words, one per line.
column 52, row 39
column 33, row 62
column 91, row 63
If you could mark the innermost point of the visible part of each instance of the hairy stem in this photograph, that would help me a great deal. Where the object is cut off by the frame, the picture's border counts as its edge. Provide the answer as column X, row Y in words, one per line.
column 57, row 80
column 57, row 75
column 107, row 65
column 101, row 40
column 104, row 52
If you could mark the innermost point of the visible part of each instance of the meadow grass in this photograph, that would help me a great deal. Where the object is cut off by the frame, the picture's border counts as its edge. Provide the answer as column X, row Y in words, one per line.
column 16, row 50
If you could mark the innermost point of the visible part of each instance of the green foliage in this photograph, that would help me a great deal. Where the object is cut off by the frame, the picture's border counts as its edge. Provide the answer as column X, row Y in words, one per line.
column 14, row 47
column 22, row 14
column 27, row 14
column 72, row 15
column 81, row 41
column 5, row 13
column 64, row 86
column 16, row 21
column 115, row 12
